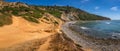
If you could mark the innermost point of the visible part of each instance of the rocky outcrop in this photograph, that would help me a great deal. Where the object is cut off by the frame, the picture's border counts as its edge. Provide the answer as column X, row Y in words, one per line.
column 69, row 17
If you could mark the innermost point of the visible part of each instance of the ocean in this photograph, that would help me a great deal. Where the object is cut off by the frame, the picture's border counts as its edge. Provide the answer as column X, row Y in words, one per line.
column 101, row 28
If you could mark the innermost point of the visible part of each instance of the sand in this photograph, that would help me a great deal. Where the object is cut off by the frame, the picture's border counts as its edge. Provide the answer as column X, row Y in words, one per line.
column 21, row 30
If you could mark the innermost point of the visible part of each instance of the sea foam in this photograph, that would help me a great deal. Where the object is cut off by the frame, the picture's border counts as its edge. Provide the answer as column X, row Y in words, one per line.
column 108, row 22
column 84, row 28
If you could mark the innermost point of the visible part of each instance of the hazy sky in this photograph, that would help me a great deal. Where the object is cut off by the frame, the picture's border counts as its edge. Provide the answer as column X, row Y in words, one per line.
column 108, row 8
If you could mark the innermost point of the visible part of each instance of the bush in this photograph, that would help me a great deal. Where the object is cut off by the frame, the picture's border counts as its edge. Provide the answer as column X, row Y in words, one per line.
column 5, row 19
column 1, row 24
column 31, row 19
column 55, row 13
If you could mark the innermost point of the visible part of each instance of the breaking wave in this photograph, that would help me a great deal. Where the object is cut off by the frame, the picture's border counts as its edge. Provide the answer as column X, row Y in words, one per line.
column 84, row 28
column 108, row 22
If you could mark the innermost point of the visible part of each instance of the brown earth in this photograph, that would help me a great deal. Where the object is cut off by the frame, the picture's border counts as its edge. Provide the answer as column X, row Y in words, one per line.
column 21, row 30
column 23, row 35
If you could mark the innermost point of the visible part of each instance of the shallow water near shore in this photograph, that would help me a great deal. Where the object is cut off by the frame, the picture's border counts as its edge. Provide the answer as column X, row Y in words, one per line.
column 101, row 28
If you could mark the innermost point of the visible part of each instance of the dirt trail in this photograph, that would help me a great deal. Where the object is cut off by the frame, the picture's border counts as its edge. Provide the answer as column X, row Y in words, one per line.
column 26, row 36
column 44, row 47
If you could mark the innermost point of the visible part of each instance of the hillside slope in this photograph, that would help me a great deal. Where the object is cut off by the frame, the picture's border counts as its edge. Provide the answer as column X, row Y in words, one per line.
column 33, row 13
column 38, row 28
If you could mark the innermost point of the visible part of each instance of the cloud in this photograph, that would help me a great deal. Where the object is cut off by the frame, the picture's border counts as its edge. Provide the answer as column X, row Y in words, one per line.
column 115, row 8
column 83, row 1
column 96, row 8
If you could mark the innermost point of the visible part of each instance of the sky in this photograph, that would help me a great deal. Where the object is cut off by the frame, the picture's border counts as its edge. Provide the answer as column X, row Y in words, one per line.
column 107, row 8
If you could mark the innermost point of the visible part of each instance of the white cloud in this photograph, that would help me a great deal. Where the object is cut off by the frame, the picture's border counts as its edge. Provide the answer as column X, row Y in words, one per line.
column 96, row 8
column 83, row 1
column 115, row 8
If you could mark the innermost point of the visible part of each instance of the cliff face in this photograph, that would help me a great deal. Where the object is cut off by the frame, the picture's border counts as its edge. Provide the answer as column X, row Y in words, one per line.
column 73, row 14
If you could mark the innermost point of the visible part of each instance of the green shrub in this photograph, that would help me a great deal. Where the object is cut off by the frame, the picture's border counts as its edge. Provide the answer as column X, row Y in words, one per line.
column 1, row 24
column 5, row 19
column 31, row 19
column 55, row 13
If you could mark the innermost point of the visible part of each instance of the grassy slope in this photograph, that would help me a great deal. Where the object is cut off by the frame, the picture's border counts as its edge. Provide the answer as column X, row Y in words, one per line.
column 32, row 13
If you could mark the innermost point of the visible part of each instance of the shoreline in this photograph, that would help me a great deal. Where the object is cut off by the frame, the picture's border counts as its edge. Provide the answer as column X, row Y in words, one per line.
column 88, row 42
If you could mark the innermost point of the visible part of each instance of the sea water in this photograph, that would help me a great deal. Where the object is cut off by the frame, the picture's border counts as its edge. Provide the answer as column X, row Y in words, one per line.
column 103, row 28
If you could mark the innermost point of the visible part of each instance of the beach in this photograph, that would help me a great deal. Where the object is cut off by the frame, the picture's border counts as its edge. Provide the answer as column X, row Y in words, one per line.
column 87, row 42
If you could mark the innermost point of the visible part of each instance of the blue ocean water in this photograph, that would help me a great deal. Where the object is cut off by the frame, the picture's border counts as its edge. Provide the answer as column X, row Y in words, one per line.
column 107, row 28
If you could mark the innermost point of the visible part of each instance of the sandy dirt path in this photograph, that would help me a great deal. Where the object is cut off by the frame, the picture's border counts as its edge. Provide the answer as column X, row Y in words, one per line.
column 21, row 30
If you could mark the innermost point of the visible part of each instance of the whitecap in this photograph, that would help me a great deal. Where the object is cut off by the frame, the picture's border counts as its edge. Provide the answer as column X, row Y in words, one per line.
column 108, row 22
column 84, row 28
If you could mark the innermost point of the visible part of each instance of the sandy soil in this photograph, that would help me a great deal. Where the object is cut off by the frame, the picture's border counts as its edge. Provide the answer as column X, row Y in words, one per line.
column 21, row 31
column 44, row 47
column 27, row 36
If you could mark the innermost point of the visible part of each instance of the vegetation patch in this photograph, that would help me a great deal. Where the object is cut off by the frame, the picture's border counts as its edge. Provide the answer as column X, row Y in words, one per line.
column 33, row 13
column 5, row 19
column 32, row 19
column 55, row 13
